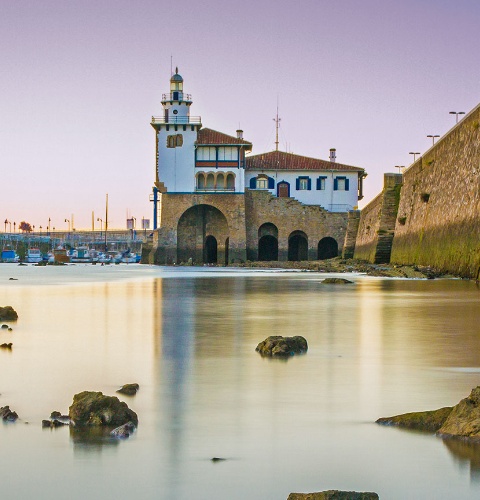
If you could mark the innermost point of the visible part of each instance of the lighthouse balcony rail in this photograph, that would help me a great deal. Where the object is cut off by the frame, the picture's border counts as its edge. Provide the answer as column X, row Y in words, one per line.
column 176, row 96
column 182, row 120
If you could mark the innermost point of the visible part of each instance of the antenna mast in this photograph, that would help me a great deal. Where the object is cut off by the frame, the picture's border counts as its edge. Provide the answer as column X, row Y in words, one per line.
column 277, row 121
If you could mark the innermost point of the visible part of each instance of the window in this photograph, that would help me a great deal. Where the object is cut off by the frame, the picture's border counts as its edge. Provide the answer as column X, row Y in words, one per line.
column 227, row 154
column 262, row 183
column 175, row 141
column 304, row 183
column 340, row 184
column 321, row 181
column 206, row 154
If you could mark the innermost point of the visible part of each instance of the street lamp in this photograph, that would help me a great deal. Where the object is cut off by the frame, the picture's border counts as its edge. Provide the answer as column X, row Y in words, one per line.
column 40, row 230
column 101, row 222
column 400, row 168
column 14, row 224
column 433, row 138
column 456, row 113
column 68, row 220
column 48, row 227
column 6, row 222
column 414, row 156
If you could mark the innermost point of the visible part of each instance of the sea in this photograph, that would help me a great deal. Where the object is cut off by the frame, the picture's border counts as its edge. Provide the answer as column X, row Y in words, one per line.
column 187, row 335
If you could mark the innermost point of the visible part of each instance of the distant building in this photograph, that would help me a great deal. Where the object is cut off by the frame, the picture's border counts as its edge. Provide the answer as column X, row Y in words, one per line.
column 213, row 203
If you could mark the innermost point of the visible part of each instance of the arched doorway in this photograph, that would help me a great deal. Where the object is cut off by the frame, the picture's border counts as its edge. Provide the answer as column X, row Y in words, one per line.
column 298, row 246
column 210, row 250
column 327, row 248
column 267, row 242
column 202, row 235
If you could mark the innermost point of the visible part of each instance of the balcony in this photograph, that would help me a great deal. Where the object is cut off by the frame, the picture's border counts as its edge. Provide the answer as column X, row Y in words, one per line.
column 215, row 190
column 175, row 120
column 177, row 96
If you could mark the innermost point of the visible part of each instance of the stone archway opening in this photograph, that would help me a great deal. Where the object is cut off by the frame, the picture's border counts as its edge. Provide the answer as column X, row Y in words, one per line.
column 298, row 246
column 327, row 248
column 202, row 235
column 268, row 242
column 210, row 250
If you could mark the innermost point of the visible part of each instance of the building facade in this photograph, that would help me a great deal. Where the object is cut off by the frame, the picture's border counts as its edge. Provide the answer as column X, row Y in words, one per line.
column 215, row 203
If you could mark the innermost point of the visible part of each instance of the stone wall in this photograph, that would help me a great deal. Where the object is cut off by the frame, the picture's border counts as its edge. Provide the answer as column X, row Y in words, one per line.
column 289, row 215
column 377, row 223
column 353, row 223
column 438, row 221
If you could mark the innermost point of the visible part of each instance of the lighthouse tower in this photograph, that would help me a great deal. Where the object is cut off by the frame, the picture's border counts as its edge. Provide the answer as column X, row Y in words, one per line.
column 176, row 133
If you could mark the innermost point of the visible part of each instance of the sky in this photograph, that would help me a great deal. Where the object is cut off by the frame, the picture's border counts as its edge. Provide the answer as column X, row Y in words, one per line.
column 81, row 79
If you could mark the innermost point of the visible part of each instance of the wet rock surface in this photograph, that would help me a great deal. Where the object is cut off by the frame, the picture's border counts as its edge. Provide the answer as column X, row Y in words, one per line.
column 8, row 313
column 336, row 281
column 8, row 415
column 278, row 346
column 123, row 431
column 129, row 389
column 95, row 409
column 460, row 421
column 6, row 345
column 334, row 495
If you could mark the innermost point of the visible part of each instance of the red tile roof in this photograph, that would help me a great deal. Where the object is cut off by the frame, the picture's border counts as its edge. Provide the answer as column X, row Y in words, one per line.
column 207, row 136
column 278, row 160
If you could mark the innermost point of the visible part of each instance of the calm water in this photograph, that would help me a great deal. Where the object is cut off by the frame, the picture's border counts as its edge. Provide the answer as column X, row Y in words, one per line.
column 188, row 336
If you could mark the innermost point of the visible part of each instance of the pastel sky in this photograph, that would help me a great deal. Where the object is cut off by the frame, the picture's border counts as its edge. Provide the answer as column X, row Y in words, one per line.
column 81, row 79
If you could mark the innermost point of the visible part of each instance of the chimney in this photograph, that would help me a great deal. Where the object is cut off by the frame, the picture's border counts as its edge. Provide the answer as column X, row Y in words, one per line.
column 333, row 155
column 239, row 134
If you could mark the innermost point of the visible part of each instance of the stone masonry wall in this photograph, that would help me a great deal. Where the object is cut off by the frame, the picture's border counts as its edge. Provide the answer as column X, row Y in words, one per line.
column 289, row 215
column 353, row 223
column 377, row 223
column 438, row 221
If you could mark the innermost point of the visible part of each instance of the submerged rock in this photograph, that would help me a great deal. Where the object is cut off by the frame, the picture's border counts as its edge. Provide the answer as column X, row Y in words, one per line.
column 53, row 423
column 460, row 421
column 429, row 421
column 277, row 346
column 4, row 327
column 334, row 495
column 8, row 415
column 6, row 345
column 93, row 408
column 124, row 431
column 336, row 281
column 129, row 389
column 7, row 313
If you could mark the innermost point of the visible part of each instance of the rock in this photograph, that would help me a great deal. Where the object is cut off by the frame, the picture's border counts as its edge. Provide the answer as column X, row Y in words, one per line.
column 429, row 421
column 7, row 313
column 336, row 281
column 55, row 414
column 8, row 415
column 277, row 346
column 6, row 346
column 464, row 419
column 129, row 389
column 4, row 327
column 124, row 431
column 13, row 279
column 10, row 329
column 334, row 495
column 53, row 423
column 218, row 459
column 460, row 421
column 93, row 408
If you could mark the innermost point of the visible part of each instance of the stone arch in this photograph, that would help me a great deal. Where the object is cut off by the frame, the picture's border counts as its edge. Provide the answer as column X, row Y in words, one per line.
column 210, row 184
column 267, row 242
column 193, row 229
column 210, row 250
column 298, row 246
column 327, row 248
column 220, row 182
column 231, row 181
column 200, row 180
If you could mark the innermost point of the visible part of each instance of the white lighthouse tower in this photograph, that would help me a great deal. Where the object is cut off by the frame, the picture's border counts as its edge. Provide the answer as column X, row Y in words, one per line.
column 176, row 133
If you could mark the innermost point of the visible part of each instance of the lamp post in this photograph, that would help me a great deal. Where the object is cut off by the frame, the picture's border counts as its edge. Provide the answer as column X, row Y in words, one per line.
column 48, row 227
column 40, row 231
column 400, row 168
column 14, row 224
column 433, row 138
column 68, row 220
column 414, row 156
column 456, row 113
column 6, row 222
column 101, row 222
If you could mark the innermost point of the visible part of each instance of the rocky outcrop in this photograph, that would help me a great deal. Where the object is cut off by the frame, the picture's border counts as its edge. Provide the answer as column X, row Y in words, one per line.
column 129, row 389
column 95, row 409
column 428, row 421
column 336, row 281
column 123, row 431
column 334, row 495
column 460, row 421
column 277, row 346
column 7, row 313
column 8, row 415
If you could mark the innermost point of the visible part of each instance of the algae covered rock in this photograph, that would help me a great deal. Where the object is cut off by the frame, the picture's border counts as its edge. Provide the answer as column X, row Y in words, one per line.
column 129, row 389
column 96, row 409
column 464, row 419
column 8, row 415
column 278, row 346
column 336, row 281
column 334, row 495
column 8, row 313
column 429, row 421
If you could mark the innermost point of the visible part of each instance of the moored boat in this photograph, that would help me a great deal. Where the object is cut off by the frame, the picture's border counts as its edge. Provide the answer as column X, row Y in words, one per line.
column 34, row 255
column 9, row 255
column 81, row 255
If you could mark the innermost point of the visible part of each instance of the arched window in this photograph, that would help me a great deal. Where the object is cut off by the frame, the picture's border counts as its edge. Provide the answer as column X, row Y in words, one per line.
column 210, row 181
column 220, row 182
column 231, row 182
column 201, row 181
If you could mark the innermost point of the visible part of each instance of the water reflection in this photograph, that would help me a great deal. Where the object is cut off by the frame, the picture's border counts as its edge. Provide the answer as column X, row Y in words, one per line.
column 91, row 439
column 466, row 453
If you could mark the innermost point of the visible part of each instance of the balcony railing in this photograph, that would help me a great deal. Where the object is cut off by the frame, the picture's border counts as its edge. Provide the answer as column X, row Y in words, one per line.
column 176, row 96
column 182, row 120
column 214, row 190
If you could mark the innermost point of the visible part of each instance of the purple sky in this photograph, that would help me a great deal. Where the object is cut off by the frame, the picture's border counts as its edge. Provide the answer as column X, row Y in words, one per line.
column 81, row 79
